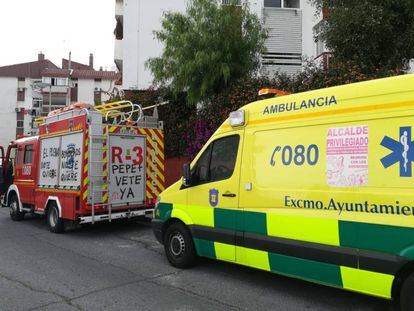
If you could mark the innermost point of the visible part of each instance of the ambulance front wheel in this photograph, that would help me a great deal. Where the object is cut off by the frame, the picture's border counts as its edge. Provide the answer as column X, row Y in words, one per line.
column 55, row 223
column 179, row 246
column 406, row 294
column 15, row 213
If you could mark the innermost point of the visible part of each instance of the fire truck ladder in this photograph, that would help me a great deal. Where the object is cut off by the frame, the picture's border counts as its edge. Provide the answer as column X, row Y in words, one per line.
column 119, row 112
column 98, row 178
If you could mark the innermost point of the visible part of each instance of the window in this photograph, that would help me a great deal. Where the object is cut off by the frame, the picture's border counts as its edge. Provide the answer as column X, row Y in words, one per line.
column 20, row 94
column 217, row 162
column 231, row 2
column 13, row 153
column 97, row 95
column 295, row 4
column 273, row 3
column 119, row 29
column 56, row 81
column 223, row 158
column 18, row 156
column 319, row 38
column 37, row 102
column 74, row 94
column 201, row 169
column 320, row 46
column 61, row 82
column 28, row 154
column 291, row 4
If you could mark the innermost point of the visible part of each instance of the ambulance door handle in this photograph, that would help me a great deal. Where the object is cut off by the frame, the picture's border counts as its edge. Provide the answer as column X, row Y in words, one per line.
column 228, row 194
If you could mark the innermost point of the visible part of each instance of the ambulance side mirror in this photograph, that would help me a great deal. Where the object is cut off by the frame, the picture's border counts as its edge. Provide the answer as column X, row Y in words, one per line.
column 186, row 175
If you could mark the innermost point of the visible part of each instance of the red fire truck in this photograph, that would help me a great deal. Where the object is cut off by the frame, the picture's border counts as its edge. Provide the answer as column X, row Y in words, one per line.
column 87, row 164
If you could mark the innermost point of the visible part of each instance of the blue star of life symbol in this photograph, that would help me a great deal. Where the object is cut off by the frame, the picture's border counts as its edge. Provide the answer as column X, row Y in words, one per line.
column 402, row 151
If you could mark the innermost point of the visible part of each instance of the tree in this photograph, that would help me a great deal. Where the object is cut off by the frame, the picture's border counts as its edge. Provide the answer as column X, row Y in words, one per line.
column 373, row 34
column 207, row 48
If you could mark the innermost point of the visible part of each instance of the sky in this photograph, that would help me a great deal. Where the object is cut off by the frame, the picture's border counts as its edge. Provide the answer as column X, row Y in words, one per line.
column 56, row 27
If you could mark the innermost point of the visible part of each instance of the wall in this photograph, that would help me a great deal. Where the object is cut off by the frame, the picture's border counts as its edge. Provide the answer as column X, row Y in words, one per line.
column 86, row 88
column 8, row 104
column 28, row 103
column 411, row 66
column 174, row 169
column 141, row 18
column 107, row 86
column 309, row 20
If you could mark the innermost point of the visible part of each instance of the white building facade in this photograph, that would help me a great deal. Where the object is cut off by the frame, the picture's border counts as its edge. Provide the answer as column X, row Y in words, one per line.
column 32, row 89
column 18, row 98
column 9, row 110
column 83, row 86
column 289, row 24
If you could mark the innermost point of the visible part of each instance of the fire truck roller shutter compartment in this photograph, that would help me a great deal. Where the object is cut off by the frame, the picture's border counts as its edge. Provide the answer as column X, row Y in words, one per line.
column 127, row 169
column 61, row 161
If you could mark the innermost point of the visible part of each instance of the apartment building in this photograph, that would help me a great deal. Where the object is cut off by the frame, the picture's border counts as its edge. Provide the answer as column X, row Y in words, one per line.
column 17, row 97
column 32, row 89
column 289, row 24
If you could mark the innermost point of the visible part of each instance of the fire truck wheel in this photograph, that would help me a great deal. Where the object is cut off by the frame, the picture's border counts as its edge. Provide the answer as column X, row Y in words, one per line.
column 179, row 246
column 15, row 213
column 56, row 224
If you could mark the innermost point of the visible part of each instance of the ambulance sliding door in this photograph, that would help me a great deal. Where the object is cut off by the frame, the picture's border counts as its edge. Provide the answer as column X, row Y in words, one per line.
column 285, row 196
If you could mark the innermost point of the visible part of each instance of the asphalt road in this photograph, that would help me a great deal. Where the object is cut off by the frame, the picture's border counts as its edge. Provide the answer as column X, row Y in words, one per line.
column 120, row 266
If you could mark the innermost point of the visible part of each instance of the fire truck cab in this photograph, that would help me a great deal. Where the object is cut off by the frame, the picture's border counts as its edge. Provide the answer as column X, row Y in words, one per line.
column 87, row 164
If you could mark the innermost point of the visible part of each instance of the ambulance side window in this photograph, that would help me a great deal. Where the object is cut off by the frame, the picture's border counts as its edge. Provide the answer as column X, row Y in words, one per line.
column 223, row 158
column 217, row 162
column 28, row 154
column 200, row 174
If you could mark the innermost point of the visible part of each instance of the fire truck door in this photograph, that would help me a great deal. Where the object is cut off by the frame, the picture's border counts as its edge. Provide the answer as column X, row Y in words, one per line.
column 24, row 173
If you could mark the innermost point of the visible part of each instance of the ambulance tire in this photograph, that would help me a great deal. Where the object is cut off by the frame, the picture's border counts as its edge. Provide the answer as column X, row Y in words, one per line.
column 15, row 213
column 55, row 223
column 179, row 246
column 406, row 294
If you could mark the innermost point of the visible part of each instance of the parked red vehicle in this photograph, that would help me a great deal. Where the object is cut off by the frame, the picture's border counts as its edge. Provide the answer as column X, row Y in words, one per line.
column 82, row 169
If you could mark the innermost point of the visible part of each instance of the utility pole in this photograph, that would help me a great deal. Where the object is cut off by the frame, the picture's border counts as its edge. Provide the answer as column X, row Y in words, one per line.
column 68, row 97
column 50, row 96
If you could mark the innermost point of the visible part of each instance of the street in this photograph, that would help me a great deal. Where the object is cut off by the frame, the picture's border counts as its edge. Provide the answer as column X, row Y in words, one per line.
column 120, row 266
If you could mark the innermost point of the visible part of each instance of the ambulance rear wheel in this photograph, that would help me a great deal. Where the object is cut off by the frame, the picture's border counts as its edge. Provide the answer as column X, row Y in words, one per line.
column 406, row 294
column 15, row 213
column 55, row 223
column 179, row 246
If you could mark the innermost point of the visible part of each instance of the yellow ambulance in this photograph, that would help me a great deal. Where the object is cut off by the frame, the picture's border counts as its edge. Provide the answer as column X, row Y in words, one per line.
column 316, row 185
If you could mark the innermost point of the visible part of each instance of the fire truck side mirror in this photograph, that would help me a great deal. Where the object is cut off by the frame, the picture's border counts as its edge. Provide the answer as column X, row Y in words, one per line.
column 186, row 175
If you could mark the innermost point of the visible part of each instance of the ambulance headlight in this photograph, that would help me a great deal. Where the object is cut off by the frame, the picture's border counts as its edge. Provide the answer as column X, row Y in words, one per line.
column 237, row 118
